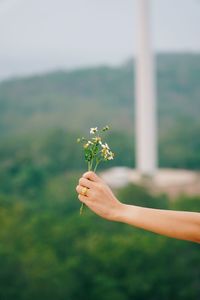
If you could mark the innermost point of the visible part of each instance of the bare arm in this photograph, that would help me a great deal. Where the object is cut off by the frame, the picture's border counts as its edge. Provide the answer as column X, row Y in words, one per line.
column 100, row 199
column 176, row 224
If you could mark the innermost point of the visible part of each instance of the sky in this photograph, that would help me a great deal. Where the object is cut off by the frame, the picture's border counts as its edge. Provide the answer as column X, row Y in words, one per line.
column 44, row 35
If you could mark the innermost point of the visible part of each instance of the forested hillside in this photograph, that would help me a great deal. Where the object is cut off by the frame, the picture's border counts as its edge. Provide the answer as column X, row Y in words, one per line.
column 79, row 98
column 47, row 250
column 76, row 100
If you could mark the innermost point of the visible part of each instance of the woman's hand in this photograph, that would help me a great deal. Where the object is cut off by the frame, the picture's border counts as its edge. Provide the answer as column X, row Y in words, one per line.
column 99, row 197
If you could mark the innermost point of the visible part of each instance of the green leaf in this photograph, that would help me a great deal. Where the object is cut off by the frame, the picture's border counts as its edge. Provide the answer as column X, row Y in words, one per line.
column 88, row 154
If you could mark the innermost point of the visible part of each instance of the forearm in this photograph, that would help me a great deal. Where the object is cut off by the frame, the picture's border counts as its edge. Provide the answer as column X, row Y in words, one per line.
column 175, row 224
column 101, row 200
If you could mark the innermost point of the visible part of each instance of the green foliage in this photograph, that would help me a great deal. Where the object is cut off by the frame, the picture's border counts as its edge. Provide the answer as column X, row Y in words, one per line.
column 46, row 250
column 137, row 195
column 32, row 160
column 179, row 146
column 72, row 101
column 49, row 252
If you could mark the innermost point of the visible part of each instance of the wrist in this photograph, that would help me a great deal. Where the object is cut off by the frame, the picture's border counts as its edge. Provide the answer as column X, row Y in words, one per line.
column 128, row 214
column 121, row 213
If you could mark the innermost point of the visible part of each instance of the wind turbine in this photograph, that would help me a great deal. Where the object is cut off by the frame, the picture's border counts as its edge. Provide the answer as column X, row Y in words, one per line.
column 145, row 105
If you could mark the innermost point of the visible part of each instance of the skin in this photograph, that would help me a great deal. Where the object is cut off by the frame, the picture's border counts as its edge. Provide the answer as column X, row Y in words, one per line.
column 101, row 200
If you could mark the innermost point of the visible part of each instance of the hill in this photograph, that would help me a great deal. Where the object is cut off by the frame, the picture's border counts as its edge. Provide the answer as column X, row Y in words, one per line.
column 75, row 100
column 47, row 250
column 81, row 98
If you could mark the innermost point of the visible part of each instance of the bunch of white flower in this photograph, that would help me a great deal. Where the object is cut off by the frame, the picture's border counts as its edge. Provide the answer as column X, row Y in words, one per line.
column 95, row 150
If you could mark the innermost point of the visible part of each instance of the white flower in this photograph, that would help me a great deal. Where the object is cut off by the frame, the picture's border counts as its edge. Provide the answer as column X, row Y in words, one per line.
column 106, row 128
column 104, row 152
column 105, row 146
column 111, row 155
column 97, row 140
column 93, row 130
column 87, row 144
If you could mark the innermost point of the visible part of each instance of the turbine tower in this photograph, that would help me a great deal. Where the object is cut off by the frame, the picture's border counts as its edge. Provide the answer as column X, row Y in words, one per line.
column 145, row 104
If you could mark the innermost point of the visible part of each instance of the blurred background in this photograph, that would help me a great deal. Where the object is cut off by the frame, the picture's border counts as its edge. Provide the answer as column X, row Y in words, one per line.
column 66, row 66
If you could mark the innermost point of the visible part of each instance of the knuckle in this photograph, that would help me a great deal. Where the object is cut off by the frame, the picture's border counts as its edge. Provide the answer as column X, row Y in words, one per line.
column 88, row 174
column 81, row 181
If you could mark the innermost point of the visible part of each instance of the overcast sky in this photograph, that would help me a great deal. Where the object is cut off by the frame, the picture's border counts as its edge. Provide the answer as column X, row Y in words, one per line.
column 41, row 35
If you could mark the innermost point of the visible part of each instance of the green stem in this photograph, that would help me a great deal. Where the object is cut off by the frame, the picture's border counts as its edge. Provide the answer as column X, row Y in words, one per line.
column 81, row 208
column 97, row 163
column 91, row 164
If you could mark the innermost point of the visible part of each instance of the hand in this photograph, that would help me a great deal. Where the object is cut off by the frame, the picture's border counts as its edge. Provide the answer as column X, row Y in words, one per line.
column 99, row 197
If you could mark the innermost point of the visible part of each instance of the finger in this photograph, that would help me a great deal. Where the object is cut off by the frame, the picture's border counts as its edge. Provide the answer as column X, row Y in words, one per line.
column 79, row 189
column 85, row 182
column 83, row 199
column 92, row 176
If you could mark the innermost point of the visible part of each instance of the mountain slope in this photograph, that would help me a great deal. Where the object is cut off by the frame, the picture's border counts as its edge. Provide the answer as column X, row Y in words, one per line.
column 82, row 98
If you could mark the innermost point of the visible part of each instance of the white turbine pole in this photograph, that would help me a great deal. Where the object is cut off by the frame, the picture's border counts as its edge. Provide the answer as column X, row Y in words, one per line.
column 145, row 108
